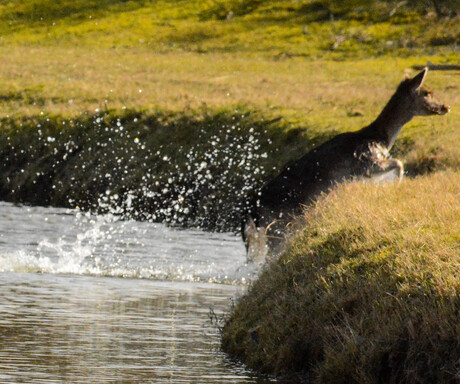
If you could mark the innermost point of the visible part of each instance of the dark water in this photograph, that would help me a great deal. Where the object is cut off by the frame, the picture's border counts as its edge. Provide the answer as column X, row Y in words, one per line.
column 96, row 300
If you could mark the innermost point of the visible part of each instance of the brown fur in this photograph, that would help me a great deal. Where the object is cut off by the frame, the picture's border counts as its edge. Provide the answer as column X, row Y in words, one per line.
column 350, row 155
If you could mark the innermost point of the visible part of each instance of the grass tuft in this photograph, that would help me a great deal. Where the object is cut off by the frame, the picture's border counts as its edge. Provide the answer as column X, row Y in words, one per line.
column 366, row 292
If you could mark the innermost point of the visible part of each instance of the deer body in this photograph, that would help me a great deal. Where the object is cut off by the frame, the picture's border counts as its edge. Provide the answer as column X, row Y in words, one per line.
column 350, row 155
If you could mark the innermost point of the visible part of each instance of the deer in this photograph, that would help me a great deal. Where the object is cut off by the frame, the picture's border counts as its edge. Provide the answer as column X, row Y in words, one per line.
column 362, row 154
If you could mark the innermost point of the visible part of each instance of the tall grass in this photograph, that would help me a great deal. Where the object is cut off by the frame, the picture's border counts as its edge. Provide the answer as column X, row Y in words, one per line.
column 366, row 292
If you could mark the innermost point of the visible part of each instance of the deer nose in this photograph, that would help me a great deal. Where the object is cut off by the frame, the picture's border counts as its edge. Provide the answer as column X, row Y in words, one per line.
column 445, row 109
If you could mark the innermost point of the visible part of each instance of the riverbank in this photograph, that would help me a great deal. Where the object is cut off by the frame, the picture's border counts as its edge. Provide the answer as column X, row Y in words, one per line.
column 366, row 292
column 188, row 169
column 179, row 111
column 294, row 73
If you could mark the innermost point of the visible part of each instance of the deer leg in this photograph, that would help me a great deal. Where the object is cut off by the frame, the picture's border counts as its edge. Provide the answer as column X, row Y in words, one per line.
column 256, row 242
column 385, row 166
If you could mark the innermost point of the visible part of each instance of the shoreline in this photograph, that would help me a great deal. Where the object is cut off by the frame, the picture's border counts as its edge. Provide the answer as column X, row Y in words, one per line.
column 367, row 290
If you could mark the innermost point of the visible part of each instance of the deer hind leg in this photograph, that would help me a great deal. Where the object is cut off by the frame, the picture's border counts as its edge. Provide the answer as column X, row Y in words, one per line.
column 387, row 170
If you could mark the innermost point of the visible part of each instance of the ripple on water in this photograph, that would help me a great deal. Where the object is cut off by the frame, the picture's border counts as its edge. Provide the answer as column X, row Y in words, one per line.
column 67, row 328
column 65, row 241
column 67, row 324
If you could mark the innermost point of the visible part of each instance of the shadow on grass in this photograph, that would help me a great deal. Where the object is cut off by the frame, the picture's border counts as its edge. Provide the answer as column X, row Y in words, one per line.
column 53, row 11
column 186, row 169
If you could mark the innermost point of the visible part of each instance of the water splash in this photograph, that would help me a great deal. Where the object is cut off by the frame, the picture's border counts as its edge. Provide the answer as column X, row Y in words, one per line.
column 197, row 171
column 72, row 242
column 204, row 186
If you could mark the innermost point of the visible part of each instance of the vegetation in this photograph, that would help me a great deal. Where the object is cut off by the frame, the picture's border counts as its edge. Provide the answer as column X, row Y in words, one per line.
column 321, row 28
column 366, row 292
column 129, row 165
column 177, row 111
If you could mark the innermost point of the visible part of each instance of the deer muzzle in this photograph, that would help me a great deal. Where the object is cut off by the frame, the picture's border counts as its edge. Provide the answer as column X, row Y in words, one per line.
column 444, row 109
column 438, row 109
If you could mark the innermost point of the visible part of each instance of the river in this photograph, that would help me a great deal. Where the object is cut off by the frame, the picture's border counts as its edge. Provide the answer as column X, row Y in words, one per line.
column 87, row 298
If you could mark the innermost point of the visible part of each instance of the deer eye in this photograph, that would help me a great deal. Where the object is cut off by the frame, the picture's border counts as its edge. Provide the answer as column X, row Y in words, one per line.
column 425, row 93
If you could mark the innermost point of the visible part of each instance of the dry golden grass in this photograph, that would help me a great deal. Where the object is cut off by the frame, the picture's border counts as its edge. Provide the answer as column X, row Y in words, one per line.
column 88, row 77
column 319, row 97
column 367, row 291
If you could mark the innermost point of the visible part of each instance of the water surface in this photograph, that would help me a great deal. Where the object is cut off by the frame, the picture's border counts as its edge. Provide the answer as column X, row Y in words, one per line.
column 93, row 299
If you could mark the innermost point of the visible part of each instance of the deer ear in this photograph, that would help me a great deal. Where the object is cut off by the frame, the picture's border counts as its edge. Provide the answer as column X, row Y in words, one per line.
column 418, row 80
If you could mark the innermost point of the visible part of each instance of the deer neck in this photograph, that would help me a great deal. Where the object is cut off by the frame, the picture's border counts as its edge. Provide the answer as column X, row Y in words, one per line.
column 389, row 123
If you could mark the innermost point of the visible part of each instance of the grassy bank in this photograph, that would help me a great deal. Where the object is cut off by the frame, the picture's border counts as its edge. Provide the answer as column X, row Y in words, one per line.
column 195, row 169
column 177, row 111
column 367, row 291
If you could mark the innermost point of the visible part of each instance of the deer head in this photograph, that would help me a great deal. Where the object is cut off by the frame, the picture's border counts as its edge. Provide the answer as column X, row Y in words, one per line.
column 421, row 100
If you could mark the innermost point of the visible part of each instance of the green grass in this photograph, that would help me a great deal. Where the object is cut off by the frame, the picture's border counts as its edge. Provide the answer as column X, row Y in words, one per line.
column 367, row 290
column 214, row 97
column 272, row 28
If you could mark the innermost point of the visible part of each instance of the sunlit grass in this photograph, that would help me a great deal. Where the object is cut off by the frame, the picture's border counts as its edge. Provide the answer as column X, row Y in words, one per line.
column 269, row 28
column 367, row 290
column 319, row 97
column 367, row 286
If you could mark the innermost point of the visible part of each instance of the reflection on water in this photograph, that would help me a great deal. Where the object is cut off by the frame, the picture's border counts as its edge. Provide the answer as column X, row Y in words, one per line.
column 70, row 324
column 76, row 328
